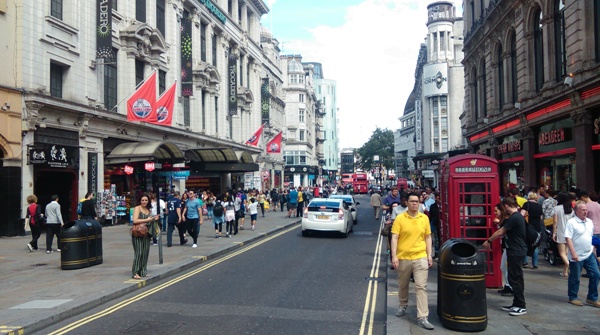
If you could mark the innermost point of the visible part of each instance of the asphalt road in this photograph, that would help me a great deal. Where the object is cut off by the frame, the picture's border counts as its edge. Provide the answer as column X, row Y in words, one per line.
column 284, row 284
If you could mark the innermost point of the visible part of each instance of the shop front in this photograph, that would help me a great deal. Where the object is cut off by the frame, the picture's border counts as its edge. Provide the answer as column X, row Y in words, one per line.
column 54, row 155
column 131, row 169
column 300, row 175
column 555, row 155
column 217, row 169
column 596, row 150
column 510, row 162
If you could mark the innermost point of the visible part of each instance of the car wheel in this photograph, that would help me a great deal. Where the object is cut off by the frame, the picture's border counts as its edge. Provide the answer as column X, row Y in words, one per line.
column 552, row 259
column 305, row 233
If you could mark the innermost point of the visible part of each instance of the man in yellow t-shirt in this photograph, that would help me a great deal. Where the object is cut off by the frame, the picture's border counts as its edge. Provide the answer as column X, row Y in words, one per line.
column 520, row 200
column 412, row 254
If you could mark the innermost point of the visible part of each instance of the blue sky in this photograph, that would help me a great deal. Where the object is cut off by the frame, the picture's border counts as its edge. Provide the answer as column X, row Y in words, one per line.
column 369, row 47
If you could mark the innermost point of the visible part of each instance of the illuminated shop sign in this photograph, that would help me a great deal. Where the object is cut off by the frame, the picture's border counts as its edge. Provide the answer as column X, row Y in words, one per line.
column 511, row 146
column 552, row 137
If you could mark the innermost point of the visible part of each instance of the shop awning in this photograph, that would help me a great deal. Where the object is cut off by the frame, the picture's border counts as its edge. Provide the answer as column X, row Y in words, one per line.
column 220, row 155
column 145, row 151
column 223, row 159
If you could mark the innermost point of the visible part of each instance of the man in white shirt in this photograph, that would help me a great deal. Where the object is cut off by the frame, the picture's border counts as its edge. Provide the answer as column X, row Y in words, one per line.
column 578, row 236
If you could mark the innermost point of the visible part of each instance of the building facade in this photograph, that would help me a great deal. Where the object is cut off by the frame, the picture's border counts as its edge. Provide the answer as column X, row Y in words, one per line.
column 74, row 64
column 532, row 90
column 326, row 93
column 442, row 90
column 303, row 149
column 408, row 140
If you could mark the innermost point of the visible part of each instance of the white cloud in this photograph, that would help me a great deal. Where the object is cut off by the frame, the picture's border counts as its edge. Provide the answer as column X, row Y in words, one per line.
column 372, row 56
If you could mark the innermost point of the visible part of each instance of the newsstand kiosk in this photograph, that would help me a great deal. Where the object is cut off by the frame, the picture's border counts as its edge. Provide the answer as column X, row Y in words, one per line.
column 469, row 190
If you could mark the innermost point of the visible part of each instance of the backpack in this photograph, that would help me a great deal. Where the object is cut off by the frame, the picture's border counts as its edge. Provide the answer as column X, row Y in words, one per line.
column 218, row 209
column 79, row 208
column 532, row 239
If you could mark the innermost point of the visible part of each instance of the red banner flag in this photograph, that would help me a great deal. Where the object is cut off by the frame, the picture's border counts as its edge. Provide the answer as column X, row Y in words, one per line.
column 253, row 141
column 140, row 106
column 274, row 145
column 165, row 106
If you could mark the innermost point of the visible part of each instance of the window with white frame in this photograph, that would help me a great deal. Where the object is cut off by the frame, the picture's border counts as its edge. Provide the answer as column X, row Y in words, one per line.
column 295, row 157
column 301, row 115
column 301, row 134
column 301, row 97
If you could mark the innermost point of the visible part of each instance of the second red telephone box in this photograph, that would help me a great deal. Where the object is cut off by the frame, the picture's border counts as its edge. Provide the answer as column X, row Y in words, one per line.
column 469, row 190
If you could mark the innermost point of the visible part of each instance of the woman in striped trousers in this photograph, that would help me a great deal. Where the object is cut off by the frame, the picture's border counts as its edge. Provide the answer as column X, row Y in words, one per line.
column 141, row 245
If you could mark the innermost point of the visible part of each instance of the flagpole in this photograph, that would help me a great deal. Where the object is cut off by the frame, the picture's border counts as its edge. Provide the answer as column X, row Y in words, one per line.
column 135, row 89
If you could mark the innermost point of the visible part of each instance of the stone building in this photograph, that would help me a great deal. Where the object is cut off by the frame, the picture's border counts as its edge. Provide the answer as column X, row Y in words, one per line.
column 304, row 123
column 326, row 93
column 69, row 68
column 533, row 91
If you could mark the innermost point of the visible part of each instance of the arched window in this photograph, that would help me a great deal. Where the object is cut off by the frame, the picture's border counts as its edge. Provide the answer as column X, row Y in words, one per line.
column 474, row 94
column 560, row 39
column 538, row 51
column 483, row 85
column 500, row 74
column 513, row 68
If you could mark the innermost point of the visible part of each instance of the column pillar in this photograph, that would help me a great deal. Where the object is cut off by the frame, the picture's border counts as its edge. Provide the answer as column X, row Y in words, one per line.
column 583, row 134
column 529, row 164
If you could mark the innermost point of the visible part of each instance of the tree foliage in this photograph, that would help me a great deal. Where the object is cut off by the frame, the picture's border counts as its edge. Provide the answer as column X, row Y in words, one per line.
column 381, row 143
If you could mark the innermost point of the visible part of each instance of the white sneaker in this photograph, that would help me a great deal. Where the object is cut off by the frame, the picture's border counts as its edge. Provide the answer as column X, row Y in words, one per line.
column 194, row 246
column 401, row 311
column 30, row 247
column 423, row 323
column 57, row 250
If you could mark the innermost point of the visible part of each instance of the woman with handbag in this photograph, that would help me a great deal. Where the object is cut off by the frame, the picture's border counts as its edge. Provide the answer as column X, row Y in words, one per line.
column 141, row 244
column 35, row 216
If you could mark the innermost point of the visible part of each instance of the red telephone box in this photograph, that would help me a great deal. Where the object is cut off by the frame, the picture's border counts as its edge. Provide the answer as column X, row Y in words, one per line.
column 469, row 190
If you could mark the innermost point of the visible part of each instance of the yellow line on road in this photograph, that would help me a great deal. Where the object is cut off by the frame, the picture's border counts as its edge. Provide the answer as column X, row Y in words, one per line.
column 367, row 324
column 160, row 287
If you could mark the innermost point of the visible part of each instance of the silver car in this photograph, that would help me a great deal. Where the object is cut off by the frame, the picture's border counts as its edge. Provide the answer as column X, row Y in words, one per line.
column 349, row 200
column 324, row 214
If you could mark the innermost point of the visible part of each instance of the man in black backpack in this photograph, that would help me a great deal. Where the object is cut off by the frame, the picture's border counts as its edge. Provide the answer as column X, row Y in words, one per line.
column 218, row 217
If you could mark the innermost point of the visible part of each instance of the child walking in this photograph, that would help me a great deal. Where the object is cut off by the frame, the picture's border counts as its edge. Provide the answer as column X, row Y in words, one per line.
column 253, row 209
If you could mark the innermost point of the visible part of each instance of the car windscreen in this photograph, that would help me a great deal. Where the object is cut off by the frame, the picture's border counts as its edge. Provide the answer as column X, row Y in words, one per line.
column 324, row 206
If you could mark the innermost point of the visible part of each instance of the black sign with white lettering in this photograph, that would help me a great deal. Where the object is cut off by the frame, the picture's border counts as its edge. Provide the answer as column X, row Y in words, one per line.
column 53, row 155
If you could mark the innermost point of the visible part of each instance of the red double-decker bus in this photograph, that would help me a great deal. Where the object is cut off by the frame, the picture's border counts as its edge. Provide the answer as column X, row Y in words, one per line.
column 360, row 183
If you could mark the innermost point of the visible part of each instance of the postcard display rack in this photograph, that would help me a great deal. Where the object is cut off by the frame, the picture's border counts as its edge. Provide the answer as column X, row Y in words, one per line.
column 113, row 208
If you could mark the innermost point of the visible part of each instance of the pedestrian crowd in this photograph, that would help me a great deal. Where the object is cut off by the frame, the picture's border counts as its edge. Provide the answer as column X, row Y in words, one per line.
column 568, row 223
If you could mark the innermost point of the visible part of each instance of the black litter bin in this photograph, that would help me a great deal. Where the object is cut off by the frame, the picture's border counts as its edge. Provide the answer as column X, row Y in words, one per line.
column 81, row 244
column 462, row 304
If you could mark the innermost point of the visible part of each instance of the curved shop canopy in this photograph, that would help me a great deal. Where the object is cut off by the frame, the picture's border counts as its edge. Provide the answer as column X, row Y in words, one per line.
column 223, row 159
column 145, row 151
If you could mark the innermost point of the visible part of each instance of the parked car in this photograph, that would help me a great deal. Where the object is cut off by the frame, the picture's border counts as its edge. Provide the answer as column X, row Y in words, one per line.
column 325, row 214
column 349, row 200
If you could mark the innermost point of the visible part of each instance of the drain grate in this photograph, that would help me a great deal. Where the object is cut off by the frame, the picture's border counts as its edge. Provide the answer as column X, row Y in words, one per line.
column 40, row 264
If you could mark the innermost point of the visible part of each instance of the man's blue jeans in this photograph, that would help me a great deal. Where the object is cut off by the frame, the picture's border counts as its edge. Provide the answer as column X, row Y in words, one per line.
column 591, row 266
